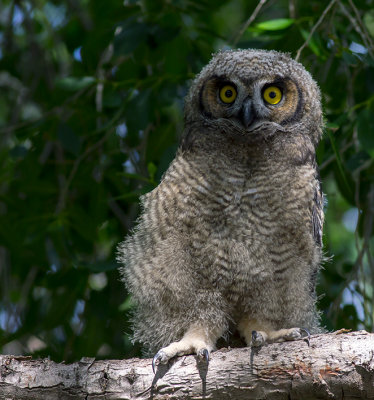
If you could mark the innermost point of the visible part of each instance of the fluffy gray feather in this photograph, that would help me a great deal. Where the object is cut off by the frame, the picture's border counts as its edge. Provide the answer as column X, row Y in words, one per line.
column 231, row 237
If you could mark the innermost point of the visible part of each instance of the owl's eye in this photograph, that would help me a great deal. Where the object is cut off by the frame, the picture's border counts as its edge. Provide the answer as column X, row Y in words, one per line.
column 272, row 95
column 227, row 94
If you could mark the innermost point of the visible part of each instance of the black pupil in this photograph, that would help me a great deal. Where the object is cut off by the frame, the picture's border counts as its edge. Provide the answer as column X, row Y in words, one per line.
column 272, row 95
column 228, row 93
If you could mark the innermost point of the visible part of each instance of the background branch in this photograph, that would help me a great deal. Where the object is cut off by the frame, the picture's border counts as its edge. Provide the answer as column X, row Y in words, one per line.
column 248, row 22
column 327, row 9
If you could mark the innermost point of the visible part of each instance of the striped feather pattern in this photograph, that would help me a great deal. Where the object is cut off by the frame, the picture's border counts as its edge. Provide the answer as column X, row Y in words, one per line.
column 216, row 241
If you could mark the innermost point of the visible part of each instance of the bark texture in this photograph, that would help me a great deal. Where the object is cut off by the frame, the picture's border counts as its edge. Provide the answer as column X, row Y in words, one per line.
column 334, row 366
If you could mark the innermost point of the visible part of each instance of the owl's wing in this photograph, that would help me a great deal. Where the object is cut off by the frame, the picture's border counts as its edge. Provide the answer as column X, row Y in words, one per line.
column 317, row 213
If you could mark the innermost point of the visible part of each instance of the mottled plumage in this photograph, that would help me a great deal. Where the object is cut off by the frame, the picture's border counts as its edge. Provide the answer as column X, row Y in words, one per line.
column 231, row 238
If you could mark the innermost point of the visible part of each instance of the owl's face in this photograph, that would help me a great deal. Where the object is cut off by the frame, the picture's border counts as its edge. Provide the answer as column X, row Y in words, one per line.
column 252, row 100
column 252, row 93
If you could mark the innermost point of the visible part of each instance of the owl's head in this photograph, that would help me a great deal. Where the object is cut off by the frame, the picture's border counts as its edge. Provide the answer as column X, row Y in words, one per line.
column 251, row 94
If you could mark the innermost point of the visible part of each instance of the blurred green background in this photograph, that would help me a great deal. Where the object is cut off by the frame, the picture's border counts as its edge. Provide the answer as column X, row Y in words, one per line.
column 91, row 109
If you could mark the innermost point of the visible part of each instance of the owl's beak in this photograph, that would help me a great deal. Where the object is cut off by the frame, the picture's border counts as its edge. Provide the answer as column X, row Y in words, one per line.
column 247, row 114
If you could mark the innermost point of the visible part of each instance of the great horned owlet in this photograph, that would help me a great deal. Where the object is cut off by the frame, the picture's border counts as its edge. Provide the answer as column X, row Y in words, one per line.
column 230, row 240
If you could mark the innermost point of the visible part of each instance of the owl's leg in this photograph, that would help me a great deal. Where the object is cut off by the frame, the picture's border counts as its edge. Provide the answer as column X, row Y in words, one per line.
column 198, row 340
column 257, row 334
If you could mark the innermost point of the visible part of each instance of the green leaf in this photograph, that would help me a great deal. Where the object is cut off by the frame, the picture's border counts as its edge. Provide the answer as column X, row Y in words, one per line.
column 69, row 140
column 369, row 21
column 152, row 169
column 126, row 305
column 312, row 42
column 73, row 83
column 18, row 151
column 357, row 160
column 4, row 110
column 132, row 34
column 138, row 114
column 134, row 176
column 99, row 266
column 275, row 24
column 111, row 98
column 134, row 195
column 365, row 129
column 332, row 125
column 341, row 170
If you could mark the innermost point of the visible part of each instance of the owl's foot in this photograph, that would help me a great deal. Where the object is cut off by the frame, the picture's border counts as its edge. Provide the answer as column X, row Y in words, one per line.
column 167, row 353
column 161, row 357
column 259, row 338
column 197, row 340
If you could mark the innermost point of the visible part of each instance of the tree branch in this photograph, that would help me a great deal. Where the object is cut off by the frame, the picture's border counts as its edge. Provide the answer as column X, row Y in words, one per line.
column 334, row 366
column 248, row 22
column 314, row 29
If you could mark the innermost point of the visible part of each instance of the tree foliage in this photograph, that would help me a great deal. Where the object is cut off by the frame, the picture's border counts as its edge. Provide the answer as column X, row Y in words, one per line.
column 91, row 109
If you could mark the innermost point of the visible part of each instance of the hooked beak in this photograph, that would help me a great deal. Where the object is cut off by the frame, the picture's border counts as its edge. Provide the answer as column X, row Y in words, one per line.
column 247, row 114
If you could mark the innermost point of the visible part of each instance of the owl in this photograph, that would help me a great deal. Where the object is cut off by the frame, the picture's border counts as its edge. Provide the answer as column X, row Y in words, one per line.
column 230, row 241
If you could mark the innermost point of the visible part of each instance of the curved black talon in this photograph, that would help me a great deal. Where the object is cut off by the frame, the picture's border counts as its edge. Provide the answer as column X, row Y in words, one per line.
column 156, row 359
column 257, row 339
column 307, row 338
column 205, row 354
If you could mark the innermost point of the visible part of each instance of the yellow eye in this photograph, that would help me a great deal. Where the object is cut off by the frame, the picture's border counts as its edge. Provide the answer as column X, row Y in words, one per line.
column 227, row 94
column 272, row 95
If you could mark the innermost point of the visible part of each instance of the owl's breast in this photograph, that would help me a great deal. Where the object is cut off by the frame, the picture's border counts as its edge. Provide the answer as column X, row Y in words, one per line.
column 239, row 223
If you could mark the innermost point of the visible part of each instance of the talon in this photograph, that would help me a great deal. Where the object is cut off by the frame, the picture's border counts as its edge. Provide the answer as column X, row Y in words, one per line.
column 307, row 338
column 157, row 359
column 205, row 354
column 257, row 339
